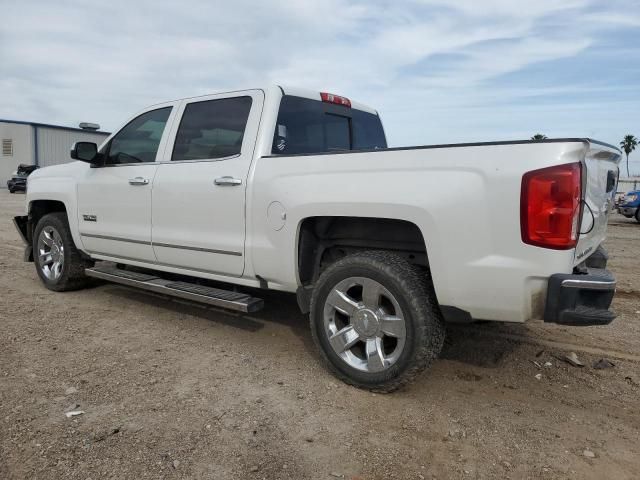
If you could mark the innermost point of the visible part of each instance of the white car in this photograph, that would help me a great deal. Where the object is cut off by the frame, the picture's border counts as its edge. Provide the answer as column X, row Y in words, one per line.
column 286, row 189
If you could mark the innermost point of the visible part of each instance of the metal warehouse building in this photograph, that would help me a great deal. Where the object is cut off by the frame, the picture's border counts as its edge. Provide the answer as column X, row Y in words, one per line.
column 38, row 144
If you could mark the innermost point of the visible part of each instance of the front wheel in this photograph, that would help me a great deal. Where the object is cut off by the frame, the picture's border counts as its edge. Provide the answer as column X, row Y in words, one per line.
column 58, row 262
column 638, row 215
column 375, row 320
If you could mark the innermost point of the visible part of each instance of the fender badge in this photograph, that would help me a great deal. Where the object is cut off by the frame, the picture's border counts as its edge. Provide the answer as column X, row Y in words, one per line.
column 90, row 218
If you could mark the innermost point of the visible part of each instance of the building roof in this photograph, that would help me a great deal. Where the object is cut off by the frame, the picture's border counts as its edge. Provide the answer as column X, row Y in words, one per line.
column 57, row 127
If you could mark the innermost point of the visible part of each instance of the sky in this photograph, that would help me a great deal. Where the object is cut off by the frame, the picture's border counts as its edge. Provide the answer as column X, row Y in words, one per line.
column 438, row 71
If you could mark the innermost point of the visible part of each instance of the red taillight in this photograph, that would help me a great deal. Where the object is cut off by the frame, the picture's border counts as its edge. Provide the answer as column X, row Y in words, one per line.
column 550, row 206
column 337, row 99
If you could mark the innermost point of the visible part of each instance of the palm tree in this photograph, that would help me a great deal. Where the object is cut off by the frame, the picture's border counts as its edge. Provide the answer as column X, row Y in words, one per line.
column 628, row 144
column 539, row 136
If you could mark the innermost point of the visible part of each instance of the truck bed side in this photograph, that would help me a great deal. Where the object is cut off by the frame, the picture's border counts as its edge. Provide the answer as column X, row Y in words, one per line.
column 464, row 200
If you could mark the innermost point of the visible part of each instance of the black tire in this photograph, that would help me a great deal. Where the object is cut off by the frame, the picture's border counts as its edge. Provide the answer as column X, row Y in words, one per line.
column 11, row 190
column 72, row 275
column 413, row 291
column 638, row 215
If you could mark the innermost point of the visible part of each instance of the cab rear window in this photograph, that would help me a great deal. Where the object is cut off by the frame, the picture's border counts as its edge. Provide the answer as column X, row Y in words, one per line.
column 311, row 126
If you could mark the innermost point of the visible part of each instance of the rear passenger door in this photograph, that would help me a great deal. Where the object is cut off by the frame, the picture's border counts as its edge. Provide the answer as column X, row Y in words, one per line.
column 198, row 214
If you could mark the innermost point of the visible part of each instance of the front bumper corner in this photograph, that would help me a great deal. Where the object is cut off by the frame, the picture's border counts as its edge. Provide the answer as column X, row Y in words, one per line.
column 627, row 211
column 22, row 225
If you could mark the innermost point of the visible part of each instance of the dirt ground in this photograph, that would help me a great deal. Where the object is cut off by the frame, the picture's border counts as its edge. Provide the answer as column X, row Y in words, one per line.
column 175, row 390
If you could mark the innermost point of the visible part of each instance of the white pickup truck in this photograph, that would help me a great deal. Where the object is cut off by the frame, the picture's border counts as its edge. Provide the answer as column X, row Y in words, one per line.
column 291, row 190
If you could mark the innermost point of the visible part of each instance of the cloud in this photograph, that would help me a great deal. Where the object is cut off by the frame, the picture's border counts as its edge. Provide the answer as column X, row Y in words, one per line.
column 437, row 70
column 508, row 8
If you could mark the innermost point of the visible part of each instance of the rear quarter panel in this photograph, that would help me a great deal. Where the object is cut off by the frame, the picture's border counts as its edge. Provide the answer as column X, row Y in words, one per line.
column 465, row 201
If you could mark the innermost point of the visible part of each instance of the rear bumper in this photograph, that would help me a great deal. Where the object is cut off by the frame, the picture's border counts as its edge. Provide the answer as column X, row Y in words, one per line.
column 580, row 299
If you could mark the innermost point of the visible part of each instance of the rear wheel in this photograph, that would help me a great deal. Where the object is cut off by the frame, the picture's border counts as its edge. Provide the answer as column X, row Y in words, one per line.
column 638, row 215
column 58, row 262
column 375, row 320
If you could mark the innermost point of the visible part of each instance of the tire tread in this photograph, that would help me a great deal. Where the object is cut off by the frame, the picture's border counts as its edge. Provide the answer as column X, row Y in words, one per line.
column 422, row 299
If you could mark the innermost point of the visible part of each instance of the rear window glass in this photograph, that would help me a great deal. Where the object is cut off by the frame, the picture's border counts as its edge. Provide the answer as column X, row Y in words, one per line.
column 311, row 126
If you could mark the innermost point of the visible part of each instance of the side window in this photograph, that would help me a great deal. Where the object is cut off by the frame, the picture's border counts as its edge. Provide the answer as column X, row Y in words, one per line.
column 138, row 141
column 212, row 129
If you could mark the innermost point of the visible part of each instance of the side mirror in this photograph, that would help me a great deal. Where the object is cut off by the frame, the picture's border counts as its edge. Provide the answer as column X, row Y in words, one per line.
column 85, row 152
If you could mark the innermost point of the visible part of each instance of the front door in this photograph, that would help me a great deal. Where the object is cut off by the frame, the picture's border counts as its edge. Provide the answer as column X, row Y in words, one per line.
column 114, row 200
column 199, row 190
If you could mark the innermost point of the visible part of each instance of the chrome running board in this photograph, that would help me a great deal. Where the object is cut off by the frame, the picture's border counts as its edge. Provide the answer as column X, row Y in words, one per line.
column 240, row 302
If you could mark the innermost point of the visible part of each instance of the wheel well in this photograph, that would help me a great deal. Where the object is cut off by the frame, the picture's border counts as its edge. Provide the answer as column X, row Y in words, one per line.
column 323, row 240
column 40, row 208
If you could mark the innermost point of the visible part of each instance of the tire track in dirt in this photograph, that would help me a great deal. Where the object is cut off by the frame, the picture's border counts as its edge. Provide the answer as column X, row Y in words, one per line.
column 558, row 345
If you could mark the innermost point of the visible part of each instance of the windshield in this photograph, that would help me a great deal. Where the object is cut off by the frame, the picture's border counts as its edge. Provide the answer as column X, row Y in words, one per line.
column 311, row 126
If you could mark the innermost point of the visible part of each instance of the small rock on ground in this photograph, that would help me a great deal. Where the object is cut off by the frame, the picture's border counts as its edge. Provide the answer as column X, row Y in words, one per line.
column 603, row 363
column 573, row 359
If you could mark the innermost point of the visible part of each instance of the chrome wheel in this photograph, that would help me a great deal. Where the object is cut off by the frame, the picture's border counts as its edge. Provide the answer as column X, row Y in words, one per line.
column 364, row 324
column 50, row 253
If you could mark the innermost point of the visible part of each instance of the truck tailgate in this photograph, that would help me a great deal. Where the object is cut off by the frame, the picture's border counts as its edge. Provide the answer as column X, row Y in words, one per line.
column 600, row 177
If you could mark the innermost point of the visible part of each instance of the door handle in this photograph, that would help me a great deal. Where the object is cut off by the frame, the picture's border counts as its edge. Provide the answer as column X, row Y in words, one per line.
column 227, row 181
column 138, row 181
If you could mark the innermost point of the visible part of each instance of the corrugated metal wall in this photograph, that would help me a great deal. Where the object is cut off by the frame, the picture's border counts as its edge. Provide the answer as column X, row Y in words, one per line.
column 54, row 144
column 22, row 141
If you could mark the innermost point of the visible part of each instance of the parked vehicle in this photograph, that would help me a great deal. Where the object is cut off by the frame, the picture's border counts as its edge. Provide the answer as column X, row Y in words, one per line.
column 292, row 190
column 629, row 206
column 18, row 181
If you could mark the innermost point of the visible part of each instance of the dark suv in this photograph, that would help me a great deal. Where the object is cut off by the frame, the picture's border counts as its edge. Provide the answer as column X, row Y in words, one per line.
column 18, row 182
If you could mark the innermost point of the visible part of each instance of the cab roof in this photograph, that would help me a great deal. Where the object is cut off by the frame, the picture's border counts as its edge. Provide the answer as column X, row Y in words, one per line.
column 314, row 95
column 285, row 90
